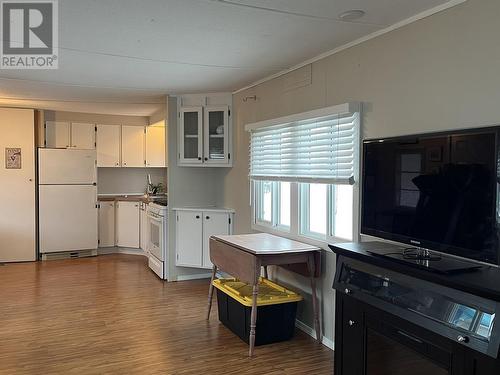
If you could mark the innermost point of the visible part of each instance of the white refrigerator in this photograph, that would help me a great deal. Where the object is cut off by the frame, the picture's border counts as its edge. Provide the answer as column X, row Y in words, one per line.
column 67, row 200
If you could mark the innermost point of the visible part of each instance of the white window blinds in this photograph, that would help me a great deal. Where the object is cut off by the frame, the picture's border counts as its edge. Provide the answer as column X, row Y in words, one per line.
column 317, row 146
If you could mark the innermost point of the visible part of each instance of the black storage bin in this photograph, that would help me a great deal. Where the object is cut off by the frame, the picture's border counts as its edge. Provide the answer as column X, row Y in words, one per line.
column 275, row 322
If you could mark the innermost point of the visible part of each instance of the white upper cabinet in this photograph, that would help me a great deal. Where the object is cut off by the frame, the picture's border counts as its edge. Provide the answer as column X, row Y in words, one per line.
column 156, row 151
column 117, row 145
column 62, row 134
column 191, row 135
column 82, row 136
column 108, row 145
column 133, row 146
column 204, row 136
column 57, row 134
column 216, row 140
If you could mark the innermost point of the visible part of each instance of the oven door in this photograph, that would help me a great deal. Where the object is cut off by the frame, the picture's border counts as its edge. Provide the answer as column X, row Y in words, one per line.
column 156, row 236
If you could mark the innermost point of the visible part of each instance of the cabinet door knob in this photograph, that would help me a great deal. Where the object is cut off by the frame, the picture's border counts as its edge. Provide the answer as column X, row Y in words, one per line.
column 347, row 291
column 462, row 339
column 206, row 159
column 207, row 217
column 197, row 216
column 351, row 322
column 199, row 157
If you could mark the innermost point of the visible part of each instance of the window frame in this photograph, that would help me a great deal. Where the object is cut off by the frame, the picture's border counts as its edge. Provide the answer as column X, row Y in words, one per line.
column 275, row 207
column 305, row 212
column 258, row 202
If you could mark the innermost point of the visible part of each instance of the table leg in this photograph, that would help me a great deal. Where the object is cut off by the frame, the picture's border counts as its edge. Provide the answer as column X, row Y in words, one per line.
column 211, row 291
column 253, row 317
column 311, row 266
column 266, row 274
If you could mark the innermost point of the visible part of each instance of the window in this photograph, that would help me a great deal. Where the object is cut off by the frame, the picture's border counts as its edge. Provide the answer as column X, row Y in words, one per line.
column 265, row 202
column 324, row 211
column 284, row 204
column 314, row 203
column 273, row 207
column 303, row 171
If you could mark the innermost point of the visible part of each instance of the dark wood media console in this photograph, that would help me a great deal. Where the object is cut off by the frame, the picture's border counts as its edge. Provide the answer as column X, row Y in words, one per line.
column 393, row 318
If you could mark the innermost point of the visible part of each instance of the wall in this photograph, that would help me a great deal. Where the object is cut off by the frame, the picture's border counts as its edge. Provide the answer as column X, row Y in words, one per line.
column 128, row 180
column 159, row 115
column 435, row 74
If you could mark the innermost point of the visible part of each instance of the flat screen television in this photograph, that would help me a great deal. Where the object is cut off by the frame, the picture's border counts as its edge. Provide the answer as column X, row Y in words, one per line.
column 435, row 191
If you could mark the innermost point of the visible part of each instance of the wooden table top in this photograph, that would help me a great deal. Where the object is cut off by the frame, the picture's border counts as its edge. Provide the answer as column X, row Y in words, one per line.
column 265, row 244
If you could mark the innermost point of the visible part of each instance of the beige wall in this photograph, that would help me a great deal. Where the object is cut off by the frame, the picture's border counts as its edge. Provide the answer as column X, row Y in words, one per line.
column 439, row 73
column 159, row 115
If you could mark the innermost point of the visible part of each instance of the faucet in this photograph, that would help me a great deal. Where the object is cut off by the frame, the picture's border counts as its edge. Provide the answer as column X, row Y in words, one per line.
column 150, row 185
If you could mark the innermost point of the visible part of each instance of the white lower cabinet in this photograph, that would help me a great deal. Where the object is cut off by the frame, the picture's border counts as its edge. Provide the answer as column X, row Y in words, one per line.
column 189, row 226
column 213, row 223
column 106, row 224
column 193, row 231
column 144, row 232
column 128, row 224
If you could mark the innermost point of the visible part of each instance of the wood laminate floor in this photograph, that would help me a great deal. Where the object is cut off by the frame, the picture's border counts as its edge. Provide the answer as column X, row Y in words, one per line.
column 112, row 315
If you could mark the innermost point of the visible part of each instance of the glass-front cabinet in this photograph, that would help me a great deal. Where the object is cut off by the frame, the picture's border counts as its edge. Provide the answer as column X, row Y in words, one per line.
column 216, row 140
column 190, row 135
column 204, row 136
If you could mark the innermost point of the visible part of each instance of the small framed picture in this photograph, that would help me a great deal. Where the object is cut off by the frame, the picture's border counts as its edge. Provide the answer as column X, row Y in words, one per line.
column 12, row 158
column 435, row 154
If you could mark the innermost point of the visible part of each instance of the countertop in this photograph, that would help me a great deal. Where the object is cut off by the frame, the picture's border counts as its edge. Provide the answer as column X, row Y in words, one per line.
column 126, row 198
column 206, row 209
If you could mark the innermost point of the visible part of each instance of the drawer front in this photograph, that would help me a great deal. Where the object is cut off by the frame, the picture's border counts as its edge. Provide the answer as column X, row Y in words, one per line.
column 156, row 266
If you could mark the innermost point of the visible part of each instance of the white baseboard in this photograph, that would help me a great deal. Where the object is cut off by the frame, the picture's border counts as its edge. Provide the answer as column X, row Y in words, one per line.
column 120, row 250
column 311, row 332
column 194, row 277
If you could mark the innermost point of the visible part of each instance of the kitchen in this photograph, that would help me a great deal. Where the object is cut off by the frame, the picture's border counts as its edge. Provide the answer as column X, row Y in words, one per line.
column 102, row 184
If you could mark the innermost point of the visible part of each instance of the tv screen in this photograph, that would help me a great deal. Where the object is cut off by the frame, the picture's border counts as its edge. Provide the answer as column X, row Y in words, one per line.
column 435, row 191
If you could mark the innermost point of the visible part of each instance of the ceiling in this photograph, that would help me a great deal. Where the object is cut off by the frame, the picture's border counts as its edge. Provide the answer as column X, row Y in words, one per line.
column 122, row 56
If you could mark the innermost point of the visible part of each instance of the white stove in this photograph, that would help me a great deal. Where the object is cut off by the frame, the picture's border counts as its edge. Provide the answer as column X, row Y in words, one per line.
column 158, row 237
